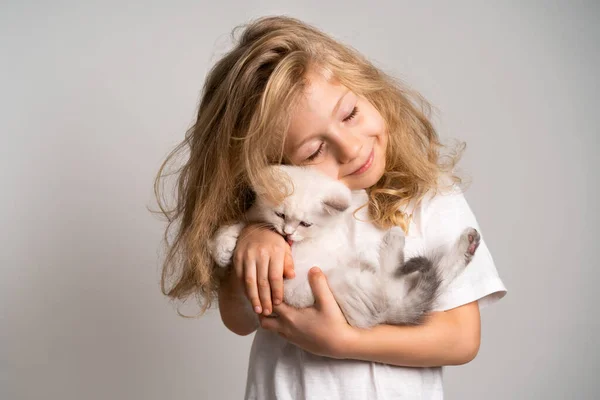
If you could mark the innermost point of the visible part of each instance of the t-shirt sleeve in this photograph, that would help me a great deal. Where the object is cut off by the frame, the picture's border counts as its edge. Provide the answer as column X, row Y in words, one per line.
column 444, row 218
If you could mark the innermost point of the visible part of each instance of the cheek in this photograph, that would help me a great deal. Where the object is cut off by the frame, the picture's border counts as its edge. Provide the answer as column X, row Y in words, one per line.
column 377, row 130
column 276, row 222
column 304, row 232
column 383, row 142
column 374, row 124
column 327, row 167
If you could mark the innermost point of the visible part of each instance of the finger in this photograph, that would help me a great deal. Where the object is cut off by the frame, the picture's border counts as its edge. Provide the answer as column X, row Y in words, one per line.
column 271, row 324
column 264, row 288
column 320, row 287
column 286, row 314
column 238, row 268
column 238, row 261
column 288, row 265
column 250, row 284
column 276, row 277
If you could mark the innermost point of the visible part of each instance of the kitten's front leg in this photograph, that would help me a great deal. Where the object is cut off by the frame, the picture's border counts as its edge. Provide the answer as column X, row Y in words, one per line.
column 223, row 243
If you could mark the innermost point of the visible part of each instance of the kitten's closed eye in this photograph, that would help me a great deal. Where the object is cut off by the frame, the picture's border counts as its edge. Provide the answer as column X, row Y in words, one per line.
column 305, row 224
column 280, row 215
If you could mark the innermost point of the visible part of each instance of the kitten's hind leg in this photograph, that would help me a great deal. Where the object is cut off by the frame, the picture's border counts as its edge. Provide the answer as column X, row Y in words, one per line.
column 459, row 256
column 472, row 237
column 420, row 280
column 360, row 295
column 391, row 255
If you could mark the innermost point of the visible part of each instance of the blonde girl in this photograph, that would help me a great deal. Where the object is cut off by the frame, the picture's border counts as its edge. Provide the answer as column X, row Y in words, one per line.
column 289, row 93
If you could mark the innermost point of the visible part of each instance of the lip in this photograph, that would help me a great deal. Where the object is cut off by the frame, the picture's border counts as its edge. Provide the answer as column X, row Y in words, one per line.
column 366, row 165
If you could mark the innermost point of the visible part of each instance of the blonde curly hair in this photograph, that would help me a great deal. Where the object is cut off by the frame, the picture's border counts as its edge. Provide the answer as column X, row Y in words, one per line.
column 240, row 128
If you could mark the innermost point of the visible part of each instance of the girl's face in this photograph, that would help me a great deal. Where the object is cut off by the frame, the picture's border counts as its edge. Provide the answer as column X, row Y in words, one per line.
column 339, row 133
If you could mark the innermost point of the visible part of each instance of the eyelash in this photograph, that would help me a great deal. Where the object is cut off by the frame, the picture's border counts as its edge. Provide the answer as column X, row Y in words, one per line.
column 352, row 114
column 320, row 149
column 316, row 153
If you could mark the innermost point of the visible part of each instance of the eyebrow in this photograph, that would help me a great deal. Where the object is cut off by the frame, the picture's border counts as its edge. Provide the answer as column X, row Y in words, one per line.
column 333, row 112
column 339, row 102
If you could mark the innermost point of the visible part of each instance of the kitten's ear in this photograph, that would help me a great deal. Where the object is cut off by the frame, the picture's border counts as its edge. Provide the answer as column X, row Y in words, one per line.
column 337, row 201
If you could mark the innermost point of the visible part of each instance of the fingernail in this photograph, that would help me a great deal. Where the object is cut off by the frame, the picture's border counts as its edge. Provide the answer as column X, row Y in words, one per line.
column 277, row 302
column 267, row 312
column 257, row 309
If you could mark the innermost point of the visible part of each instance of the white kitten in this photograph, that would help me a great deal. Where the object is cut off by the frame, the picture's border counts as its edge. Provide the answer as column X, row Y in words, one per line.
column 364, row 264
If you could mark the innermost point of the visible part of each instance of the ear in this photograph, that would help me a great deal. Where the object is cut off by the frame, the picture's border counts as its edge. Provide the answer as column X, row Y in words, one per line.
column 337, row 200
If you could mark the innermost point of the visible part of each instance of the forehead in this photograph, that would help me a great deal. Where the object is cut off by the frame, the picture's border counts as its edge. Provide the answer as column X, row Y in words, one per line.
column 314, row 108
column 295, row 209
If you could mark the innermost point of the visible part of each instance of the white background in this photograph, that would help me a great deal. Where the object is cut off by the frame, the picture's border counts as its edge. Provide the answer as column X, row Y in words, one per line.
column 93, row 95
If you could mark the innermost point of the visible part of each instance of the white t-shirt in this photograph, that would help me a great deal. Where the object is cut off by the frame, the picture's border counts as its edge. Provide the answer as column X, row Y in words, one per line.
column 280, row 370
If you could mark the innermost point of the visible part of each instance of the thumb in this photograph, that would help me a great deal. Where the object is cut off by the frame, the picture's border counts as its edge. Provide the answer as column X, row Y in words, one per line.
column 320, row 287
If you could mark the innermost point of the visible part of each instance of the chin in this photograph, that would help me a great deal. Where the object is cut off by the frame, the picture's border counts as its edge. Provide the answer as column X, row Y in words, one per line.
column 368, row 178
column 365, row 181
column 375, row 175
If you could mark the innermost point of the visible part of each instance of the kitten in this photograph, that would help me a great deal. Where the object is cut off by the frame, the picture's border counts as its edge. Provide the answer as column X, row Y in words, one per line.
column 364, row 264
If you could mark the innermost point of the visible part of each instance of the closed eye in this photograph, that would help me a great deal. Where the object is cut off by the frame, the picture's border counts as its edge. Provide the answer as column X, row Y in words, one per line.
column 316, row 153
column 305, row 224
column 319, row 151
column 352, row 114
column 280, row 215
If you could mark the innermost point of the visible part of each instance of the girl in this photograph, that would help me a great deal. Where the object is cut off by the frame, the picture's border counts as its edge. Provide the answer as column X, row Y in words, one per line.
column 288, row 93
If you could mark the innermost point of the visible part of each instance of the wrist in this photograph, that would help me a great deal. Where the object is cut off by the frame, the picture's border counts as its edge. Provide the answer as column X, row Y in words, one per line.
column 253, row 227
column 350, row 343
column 232, row 287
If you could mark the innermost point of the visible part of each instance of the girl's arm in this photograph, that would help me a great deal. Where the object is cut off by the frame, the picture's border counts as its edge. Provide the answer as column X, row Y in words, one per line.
column 446, row 338
column 262, row 259
column 235, row 309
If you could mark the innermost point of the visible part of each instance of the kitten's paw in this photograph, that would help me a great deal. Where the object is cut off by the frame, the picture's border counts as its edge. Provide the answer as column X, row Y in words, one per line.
column 394, row 235
column 223, row 244
column 469, row 242
column 298, row 296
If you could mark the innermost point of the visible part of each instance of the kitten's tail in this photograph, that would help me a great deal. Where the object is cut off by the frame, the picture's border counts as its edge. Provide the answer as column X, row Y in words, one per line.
column 414, row 288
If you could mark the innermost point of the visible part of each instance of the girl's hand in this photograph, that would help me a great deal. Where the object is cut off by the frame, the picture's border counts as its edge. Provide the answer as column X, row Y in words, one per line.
column 321, row 329
column 262, row 258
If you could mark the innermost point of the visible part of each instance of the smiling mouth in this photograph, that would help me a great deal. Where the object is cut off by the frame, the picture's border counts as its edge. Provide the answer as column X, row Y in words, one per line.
column 366, row 165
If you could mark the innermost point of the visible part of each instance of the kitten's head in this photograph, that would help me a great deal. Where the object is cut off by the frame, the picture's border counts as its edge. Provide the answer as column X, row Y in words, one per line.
column 314, row 202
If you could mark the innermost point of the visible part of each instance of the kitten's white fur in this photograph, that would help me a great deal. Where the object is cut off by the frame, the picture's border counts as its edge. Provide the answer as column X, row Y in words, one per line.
column 358, row 258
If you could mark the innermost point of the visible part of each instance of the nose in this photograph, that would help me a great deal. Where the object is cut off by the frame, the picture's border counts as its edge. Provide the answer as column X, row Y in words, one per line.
column 349, row 147
column 288, row 230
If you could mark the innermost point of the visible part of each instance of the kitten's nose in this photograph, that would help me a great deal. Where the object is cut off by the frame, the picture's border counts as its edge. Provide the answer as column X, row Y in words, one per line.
column 288, row 230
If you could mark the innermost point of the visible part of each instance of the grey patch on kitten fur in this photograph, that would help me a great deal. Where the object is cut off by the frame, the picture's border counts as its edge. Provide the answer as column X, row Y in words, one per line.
column 423, row 285
column 364, row 265
column 335, row 204
column 427, row 277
